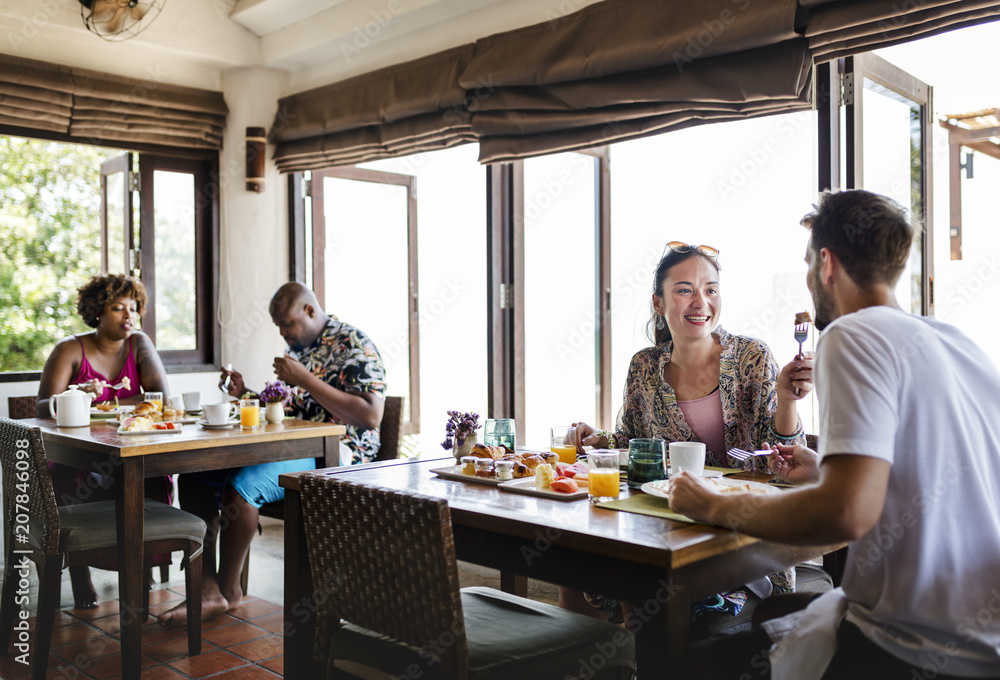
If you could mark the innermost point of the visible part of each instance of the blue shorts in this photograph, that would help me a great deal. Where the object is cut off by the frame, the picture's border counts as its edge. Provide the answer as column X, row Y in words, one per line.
column 257, row 484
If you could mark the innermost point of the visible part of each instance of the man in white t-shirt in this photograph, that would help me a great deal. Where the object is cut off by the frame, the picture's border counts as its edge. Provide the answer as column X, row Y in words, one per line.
column 908, row 471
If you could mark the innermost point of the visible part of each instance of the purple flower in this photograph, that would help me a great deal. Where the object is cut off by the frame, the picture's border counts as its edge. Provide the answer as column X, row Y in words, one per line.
column 458, row 427
column 274, row 392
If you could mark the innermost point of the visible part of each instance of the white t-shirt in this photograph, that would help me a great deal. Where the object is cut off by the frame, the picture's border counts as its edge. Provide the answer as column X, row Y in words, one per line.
column 924, row 583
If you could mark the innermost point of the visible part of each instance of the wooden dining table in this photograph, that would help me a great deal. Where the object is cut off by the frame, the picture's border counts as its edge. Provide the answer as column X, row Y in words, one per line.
column 131, row 458
column 660, row 566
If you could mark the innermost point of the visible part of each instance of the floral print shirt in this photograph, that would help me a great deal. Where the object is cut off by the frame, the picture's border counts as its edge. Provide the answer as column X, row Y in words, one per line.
column 346, row 359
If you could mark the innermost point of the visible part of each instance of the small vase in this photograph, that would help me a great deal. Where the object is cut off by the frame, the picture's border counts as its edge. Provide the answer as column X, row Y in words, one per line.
column 465, row 448
column 274, row 412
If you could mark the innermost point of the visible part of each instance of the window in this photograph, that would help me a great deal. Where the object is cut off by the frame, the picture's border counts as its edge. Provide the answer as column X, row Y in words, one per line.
column 70, row 211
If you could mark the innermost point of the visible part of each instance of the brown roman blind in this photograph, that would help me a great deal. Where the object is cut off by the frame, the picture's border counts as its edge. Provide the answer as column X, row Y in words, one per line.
column 838, row 28
column 404, row 109
column 623, row 69
column 99, row 108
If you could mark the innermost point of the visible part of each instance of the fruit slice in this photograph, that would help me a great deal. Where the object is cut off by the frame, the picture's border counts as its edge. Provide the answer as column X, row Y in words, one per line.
column 564, row 485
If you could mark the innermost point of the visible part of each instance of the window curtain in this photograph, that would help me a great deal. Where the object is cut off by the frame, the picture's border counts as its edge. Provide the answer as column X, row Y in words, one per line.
column 404, row 109
column 623, row 69
column 839, row 28
column 99, row 108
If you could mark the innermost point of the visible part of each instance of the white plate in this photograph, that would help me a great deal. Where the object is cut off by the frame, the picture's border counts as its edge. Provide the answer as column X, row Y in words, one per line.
column 217, row 426
column 98, row 413
column 659, row 487
column 527, row 486
column 455, row 472
column 178, row 428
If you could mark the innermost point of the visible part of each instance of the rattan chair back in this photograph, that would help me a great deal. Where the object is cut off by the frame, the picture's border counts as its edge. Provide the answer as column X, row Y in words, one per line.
column 27, row 485
column 389, row 431
column 21, row 407
column 384, row 560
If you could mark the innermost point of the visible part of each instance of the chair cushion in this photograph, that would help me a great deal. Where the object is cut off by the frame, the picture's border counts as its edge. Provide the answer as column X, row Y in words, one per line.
column 508, row 637
column 88, row 526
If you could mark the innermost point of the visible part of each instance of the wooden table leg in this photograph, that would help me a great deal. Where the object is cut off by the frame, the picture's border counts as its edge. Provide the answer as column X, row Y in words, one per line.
column 129, row 482
column 514, row 584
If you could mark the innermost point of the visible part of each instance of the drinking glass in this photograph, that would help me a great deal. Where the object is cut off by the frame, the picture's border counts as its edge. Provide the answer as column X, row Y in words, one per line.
column 249, row 414
column 499, row 432
column 646, row 461
column 603, row 480
column 688, row 456
column 155, row 398
column 561, row 440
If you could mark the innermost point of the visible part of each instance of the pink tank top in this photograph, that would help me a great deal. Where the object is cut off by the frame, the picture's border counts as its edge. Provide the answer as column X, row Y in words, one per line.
column 705, row 418
column 129, row 370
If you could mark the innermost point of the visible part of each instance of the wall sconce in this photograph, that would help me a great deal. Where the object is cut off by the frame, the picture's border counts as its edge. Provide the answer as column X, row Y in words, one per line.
column 256, row 148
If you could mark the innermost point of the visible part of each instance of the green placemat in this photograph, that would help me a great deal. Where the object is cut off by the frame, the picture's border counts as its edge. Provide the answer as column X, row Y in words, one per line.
column 644, row 504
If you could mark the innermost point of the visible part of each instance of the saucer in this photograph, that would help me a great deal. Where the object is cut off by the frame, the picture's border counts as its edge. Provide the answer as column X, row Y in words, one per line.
column 219, row 426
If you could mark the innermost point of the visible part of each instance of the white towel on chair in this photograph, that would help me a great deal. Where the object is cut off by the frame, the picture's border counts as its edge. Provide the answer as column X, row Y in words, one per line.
column 805, row 641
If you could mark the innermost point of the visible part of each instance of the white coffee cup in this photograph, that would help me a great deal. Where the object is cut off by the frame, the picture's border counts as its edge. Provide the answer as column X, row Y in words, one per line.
column 219, row 414
column 192, row 401
column 689, row 456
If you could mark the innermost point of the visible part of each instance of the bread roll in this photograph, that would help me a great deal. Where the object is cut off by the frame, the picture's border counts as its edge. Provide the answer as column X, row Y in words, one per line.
column 144, row 409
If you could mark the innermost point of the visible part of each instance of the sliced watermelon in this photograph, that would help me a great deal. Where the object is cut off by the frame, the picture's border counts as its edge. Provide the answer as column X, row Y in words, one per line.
column 563, row 485
column 561, row 469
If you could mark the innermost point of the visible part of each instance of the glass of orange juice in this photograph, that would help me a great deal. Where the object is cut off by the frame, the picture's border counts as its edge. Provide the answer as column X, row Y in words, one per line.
column 155, row 398
column 249, row 414
column 604, row 478
column 561, row 443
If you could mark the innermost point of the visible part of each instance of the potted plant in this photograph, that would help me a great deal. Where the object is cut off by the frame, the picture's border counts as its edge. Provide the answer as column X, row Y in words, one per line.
column 460, row 432
column 275, row 395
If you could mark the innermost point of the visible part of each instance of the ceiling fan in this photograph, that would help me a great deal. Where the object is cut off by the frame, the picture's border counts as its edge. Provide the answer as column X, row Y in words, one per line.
column 116, row 20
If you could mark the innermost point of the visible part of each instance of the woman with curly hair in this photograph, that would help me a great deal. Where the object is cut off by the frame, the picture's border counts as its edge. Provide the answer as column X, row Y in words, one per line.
column 111, row 305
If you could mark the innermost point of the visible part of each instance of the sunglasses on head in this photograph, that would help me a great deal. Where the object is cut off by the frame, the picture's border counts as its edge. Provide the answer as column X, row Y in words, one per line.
column 680, row 247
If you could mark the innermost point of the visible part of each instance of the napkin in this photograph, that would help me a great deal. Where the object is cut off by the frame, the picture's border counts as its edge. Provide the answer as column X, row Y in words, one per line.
column 644, row 504
column 805, row 641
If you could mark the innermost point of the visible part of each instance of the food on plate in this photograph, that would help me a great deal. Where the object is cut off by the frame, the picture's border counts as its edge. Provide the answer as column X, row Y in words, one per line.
column 565, row 485
column 521, row 470
column 484, row 451
column 166, row 426
column 544, row 475
column 137, row 424
column 533, row 460
column 172, row 414
column 105, row 406
column 803, row 317
column 146, row 408
column 737, row 487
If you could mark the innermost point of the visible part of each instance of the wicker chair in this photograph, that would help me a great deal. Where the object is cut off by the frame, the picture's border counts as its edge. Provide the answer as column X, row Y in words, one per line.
column 79, row 533
column 21, row 407
column 389, row 602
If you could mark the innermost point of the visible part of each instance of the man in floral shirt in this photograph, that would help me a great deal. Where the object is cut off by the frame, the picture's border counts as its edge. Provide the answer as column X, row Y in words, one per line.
column 337, row 376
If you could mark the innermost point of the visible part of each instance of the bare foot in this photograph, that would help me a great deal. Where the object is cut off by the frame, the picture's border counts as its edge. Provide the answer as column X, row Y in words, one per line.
column 234, row 598
column 84, row 595
column 210, row 608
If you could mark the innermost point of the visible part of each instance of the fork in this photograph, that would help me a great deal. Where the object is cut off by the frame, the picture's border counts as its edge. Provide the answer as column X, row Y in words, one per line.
column 741, row 454
column 801, row 334
column 126, row 383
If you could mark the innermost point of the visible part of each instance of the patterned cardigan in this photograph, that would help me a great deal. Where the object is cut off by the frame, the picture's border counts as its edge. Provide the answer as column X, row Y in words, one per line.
column 748, row 376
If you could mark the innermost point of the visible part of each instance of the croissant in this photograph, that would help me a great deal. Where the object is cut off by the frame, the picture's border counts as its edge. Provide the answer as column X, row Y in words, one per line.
column 522, row 470
column 533, row 460
column 484, row 451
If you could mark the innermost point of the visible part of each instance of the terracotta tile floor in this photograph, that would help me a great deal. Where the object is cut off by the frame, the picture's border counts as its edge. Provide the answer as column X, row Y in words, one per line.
column 240, row 644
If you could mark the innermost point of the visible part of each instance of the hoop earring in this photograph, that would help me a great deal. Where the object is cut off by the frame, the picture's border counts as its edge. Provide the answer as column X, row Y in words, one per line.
column 659, row 322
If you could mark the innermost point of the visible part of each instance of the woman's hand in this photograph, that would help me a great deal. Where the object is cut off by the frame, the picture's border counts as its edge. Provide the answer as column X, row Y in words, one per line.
column 795, row 379
column 691, row 496
column 585, row 437
column 94, row 386
column 794, row 464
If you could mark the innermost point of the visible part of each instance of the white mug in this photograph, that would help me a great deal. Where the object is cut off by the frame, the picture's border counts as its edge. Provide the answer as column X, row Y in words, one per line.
column 192, row 401
column 219, row 414
column 688, row 456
